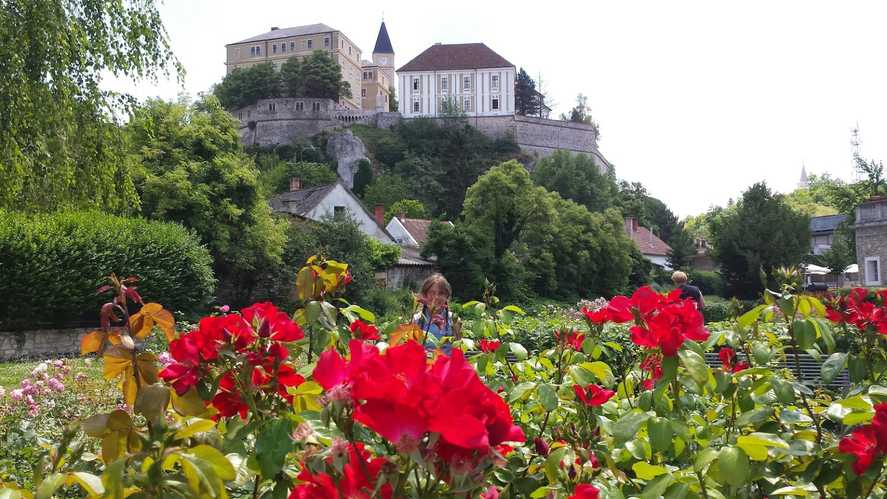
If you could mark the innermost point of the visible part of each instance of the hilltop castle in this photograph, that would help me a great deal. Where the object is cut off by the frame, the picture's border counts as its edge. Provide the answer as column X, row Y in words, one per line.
column 469, row 79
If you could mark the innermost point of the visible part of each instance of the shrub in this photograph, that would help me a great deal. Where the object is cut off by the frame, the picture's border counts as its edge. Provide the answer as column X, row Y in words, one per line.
column 709, row 282
column 52, row 265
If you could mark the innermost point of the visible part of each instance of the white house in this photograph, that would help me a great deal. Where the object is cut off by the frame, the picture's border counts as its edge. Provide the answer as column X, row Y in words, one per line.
column 318, row 203
column 654, row 249
column 409, row 232
column 467, row 78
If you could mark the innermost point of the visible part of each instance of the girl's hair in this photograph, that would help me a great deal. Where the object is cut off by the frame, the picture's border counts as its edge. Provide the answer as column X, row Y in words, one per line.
column 439, row 281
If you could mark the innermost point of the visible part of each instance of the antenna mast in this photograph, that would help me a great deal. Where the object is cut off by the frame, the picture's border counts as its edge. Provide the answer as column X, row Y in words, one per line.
column 855, row 142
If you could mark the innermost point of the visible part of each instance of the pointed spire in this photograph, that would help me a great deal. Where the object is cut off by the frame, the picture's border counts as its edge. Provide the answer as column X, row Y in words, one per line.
column 803, row 183
column 383, row 43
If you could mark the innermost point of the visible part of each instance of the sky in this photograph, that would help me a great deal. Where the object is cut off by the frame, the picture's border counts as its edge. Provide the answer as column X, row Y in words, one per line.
column 695, row 99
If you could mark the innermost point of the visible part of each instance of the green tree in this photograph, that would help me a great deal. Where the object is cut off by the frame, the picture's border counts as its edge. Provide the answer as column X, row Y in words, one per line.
column 578, row 178
column 581, row 113
column 194, row 172
column 392, row 100
column 839, row 256
column 526, row 99
column 407, row 207
column 682, row 251
column 873, row 171
column 363, row 177
column 245, row 86
column 60, row 140
column 292, row 79
column 759, row 235
column 275, row 174
column 322, row 77
column 386, row 189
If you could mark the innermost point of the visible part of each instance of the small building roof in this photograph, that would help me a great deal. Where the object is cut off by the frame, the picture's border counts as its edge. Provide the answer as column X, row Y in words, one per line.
column 383, row 43
column 648, row 243
column 418, row 228
column 300, row 202
column 456, row 56
column 826, row 223
column 309, row 29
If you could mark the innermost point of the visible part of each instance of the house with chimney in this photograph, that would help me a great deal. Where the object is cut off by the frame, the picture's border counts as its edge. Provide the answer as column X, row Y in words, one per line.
column 327, row 201
column 654, row 249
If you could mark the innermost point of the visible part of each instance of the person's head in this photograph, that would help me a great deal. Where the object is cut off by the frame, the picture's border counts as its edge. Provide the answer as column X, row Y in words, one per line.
column 435, row 291
column 679, row 278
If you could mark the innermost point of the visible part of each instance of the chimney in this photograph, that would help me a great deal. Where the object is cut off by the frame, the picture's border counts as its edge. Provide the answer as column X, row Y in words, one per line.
column 631, row 225
column 295, row 184
column 380, row 215
column 274, row 28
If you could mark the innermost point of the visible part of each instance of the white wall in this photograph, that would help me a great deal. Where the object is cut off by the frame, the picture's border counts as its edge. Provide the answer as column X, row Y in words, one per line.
column 400, row 234
column 481, row 94
column 658, row 260
column 339, row 196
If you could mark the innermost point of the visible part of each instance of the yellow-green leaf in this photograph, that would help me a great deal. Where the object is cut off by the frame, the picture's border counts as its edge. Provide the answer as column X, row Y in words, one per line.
column 198, row 426
column 647, row 471
column 90, row 483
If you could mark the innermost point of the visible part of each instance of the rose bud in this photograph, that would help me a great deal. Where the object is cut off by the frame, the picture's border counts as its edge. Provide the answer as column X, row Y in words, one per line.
column 541, row 446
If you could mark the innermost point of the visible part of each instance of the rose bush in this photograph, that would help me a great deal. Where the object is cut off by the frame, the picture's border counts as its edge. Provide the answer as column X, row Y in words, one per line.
column 325, row 402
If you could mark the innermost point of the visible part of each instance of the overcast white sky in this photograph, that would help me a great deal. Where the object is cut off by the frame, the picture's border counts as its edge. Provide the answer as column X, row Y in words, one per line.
column 697, row 100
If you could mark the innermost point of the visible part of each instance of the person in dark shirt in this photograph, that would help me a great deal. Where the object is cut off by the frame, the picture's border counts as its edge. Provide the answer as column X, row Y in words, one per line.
column 687, row 291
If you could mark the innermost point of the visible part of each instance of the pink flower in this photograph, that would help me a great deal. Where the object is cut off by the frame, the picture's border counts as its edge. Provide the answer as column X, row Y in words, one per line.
column 58, row 363
column 165, row 359
column 17, row 394
column 56, row 385
column 224, row 309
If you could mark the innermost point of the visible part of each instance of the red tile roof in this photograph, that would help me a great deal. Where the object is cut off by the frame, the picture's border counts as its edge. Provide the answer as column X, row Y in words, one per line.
column 456, row 56
column 418, row 228
column 648, row 243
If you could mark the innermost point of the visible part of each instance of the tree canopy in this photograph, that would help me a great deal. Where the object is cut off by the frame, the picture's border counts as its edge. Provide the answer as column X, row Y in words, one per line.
column 760, row 234
column 578, row 178
column 60, row 143
column 526, row 99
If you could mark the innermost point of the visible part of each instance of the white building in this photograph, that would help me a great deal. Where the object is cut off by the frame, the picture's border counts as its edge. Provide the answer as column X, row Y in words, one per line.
column 465, row 78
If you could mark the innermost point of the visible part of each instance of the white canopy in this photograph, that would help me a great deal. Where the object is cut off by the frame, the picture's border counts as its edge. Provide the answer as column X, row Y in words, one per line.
column 852, row 269
column 816, row 269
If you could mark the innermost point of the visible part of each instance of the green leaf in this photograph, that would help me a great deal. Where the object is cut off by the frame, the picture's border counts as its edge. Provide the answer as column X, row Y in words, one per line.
column 628, row 425
column 548, row 397
column 805, row 334
column 750, row 317
column 756, row 444
column 152, row 401
column 646, row 471
column 90, row 483
column 734, row 466
column 49, row 485
column 601, row 371
column 878, row 393
column 521, row 391
column 353, row 312
column 220, row 464
column 695, row 365
column 704, row 458
column 660, row 433
column 272, row 446
column 754, row 416
column 195, row 427
column 518, row 350
column 833, row 366
column 761, row 352
column 553, row 462
column 797, row 490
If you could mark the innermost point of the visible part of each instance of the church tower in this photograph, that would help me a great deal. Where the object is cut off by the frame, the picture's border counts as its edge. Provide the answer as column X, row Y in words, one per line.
column 803, row 183
column 383, row 55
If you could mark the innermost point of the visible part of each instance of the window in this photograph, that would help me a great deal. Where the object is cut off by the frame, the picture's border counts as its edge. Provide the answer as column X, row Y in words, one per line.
column 272, row 107
column 309, row 43
column 365, row 76
column 252, row 51
column 274, row 49
column 316, row 106
column 466, row 83
column 338, row 211
column 349, row 50
column 363, row 92
column 873, row 271
column 292, row 46
column 300, row 106
column 259, row 50
column 495, row 104
column 415, row 84
column 326, row 42
column 444, row 84
column 466, row 104
column 416, row 105
column 495, row 83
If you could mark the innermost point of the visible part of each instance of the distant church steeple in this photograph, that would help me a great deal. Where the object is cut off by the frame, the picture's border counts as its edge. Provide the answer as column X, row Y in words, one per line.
column 803, row 183
column 383, row 55
column 383, row 43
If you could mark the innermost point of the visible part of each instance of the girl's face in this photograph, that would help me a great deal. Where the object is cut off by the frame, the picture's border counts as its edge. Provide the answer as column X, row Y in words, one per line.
column 436, row 298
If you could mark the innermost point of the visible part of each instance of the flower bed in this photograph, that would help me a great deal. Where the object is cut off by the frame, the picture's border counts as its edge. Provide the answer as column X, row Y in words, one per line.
column 325, row 402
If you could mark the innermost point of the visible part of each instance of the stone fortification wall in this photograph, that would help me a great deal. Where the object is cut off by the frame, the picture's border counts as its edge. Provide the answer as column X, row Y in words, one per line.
column 271, row 122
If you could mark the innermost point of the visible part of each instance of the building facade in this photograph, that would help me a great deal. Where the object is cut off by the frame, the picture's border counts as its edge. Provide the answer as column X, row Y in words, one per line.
column 822, row 232
column 468, row 79
column 871, row 241
column 279, row 44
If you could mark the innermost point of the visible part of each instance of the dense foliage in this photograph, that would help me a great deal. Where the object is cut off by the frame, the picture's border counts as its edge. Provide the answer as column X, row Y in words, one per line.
column 526, row 239
column 576, row 177
column 429, row 161
column 760, row 234
column 60, row 144
column 317, row 76
column 52, row 264
column 195, row 172
column 527, row 100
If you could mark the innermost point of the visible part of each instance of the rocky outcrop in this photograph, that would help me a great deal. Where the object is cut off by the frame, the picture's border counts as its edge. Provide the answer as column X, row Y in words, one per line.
column 346, row 150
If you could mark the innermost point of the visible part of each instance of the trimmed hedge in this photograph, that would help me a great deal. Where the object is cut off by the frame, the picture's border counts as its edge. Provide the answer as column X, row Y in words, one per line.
column 51, row 265
column 709, row 282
